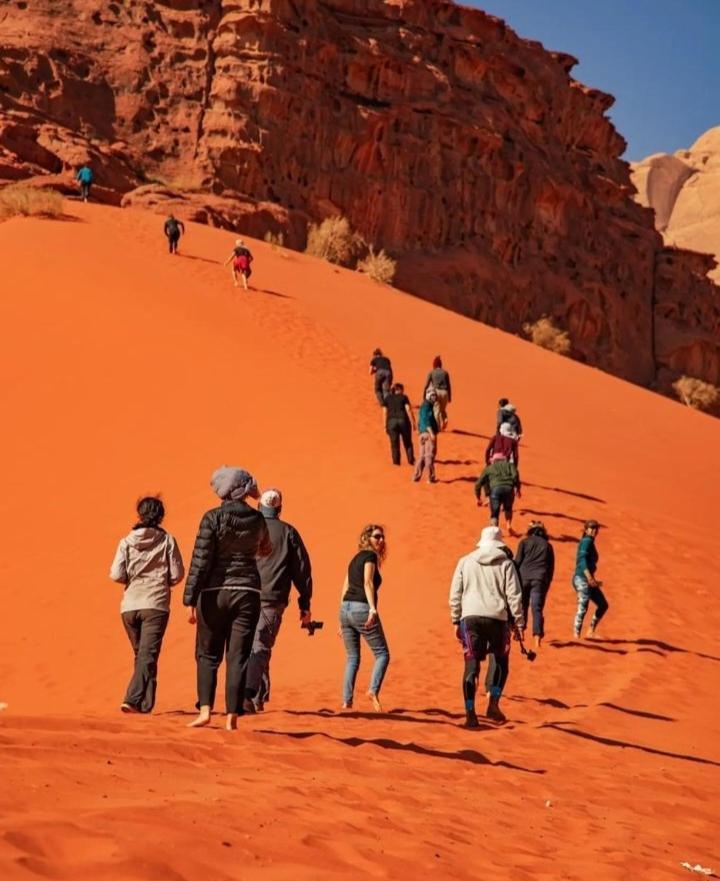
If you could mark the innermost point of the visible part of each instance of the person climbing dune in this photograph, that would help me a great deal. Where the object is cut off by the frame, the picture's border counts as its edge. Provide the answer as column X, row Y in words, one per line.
column 586, row 586
column 399, row 422
column 148, row 563
column 428, row 431
column 507, row 414
column 485, row 590
column 381, row 369
column 241, row 260
column 173, row 230
column 85, row 178
column 501, row 481
column 535, row 561
column 439, row 379
column 505, row 444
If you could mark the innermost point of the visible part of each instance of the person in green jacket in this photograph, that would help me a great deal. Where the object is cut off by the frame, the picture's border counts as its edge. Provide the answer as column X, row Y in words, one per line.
column 500, row 480
column 586, row 586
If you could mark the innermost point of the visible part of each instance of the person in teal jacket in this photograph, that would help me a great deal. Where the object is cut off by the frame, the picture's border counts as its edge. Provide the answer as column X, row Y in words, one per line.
column 428, row 431
column 586, row 586
column 85, row 178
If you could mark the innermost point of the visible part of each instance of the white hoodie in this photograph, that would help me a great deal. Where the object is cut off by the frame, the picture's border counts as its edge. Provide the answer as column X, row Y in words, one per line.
column 148, row 562
column 486, row 584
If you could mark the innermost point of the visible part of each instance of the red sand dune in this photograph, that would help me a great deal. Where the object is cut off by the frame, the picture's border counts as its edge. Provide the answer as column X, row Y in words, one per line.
column 127, row 371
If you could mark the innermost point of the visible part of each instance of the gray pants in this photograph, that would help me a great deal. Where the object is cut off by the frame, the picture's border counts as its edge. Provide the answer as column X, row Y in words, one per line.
column 257, row 687
column 145, row 629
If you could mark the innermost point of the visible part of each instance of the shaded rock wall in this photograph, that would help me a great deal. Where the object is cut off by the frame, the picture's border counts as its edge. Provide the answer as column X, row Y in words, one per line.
column 469, row 153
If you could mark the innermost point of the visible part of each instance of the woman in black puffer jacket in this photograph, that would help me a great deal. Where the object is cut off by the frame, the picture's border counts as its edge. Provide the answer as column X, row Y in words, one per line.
column 223, row 591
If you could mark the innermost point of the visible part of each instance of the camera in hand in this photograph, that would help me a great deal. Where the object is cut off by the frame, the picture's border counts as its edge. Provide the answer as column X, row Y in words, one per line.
column 312, row 626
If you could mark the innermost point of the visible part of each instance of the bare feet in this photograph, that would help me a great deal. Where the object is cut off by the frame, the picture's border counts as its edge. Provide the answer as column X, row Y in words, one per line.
column 538, row 641
column 202, row 720
column 231, row 722
column 590, row 632
column 128, row 708
column 347, row 705
column 375, row 701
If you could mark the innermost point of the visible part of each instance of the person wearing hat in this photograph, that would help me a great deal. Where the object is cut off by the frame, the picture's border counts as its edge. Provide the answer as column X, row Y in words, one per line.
column 485, row 590
column 381, row 369
column 507, row 414
column 241, row 259
column 535, row 561
column 503, row 444
column 586, row 586
column 223, row 590
column 428, row 431
column 288, row 564
column 500, row 480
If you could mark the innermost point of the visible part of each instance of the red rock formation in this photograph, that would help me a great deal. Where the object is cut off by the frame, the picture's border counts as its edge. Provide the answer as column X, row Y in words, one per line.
column 467, row 152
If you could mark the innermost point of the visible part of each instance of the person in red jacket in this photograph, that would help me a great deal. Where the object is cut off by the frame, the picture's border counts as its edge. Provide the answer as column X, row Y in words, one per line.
column 505, row 444
column 241, row 259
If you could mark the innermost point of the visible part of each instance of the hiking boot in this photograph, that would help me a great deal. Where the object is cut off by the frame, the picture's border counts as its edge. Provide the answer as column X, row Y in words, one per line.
column 471, row 720
column 493, row 710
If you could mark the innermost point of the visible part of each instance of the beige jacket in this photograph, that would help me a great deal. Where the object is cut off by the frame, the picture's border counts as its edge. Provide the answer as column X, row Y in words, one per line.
column 148, row 562
column 486, row 583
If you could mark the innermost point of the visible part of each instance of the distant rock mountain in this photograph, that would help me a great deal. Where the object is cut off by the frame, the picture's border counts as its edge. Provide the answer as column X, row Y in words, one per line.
column 469, row 153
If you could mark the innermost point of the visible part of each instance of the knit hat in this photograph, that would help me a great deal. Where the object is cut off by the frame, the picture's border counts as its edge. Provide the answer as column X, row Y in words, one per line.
column 233, row 483
column 271, row 498
column 506, row 430
column 491, row 535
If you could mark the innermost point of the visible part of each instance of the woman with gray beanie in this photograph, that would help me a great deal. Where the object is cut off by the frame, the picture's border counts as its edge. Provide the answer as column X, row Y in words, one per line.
column 223, row 591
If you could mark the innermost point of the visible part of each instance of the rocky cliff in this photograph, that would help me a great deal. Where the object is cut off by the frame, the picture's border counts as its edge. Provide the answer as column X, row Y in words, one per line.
column 469, row 153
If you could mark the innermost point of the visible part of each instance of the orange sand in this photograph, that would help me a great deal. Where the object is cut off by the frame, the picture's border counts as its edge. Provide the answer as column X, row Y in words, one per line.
column 128, row 371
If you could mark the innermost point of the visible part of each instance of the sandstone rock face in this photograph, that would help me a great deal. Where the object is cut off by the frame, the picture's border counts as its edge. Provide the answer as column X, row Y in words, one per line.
column 467, row 152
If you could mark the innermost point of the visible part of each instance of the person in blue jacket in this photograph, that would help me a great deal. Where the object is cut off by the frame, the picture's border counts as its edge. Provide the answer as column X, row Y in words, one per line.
column 85, row 179
column 586, row 585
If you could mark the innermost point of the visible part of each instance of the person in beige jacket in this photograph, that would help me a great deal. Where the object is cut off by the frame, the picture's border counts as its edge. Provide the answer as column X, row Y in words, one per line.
column 148, row 563
column 485, row 591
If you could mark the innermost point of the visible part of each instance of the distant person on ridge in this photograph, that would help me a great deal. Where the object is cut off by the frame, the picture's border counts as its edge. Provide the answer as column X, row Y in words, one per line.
column 484, row 588
column 428, row 431
column 439, row 379
column 223, row 591
column 506, row 414
column 85, row 178
column 500, row 480
column 288, row 564
column 148, row 563
column 173, row 230
column 399, row 422
column 586, row 586
column 504, row 444
column 381, row 369
column 241, row 259
column 535, row 561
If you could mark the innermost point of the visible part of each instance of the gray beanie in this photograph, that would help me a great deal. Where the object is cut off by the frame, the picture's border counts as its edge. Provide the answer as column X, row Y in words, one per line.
column 233, row 483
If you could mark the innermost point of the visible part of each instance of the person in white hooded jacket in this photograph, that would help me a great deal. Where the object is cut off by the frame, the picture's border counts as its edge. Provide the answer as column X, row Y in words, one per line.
column 485, row 591
column 148, row 563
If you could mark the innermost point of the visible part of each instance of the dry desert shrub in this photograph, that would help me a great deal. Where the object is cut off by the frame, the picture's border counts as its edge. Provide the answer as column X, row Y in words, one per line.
column 275, row 240
column 378, row 266
column 696, row 393
column 333, row 240
column 544, row 333
column 17, row 199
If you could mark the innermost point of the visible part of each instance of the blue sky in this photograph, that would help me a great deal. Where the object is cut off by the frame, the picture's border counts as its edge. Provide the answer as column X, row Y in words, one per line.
column 659, row 58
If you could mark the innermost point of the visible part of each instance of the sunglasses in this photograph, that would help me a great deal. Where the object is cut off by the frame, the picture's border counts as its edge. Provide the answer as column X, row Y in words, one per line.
column 378, row 536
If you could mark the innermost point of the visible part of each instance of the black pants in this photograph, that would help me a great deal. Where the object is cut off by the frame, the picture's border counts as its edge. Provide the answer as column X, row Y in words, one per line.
column 482, row 637
column 397, row 429
column 533, row 596
column 173, row 243
column 383, row 381
column 226, row 622
column 85, row 191
column 145, row 629
column 501, row 497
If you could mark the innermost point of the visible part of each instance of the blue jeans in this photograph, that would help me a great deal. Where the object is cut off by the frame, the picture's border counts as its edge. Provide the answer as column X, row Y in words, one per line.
column 585, row 593
column 352, row 622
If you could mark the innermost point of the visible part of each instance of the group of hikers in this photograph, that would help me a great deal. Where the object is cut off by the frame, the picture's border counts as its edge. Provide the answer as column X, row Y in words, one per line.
column 244, row 563
column 240, row 257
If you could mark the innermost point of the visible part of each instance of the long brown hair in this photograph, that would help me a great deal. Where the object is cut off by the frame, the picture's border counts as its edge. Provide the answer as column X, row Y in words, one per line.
column 364, row 541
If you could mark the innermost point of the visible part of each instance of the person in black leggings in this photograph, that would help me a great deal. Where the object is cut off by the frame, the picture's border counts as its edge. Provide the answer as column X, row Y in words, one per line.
column 223, row 591
column 399, row 422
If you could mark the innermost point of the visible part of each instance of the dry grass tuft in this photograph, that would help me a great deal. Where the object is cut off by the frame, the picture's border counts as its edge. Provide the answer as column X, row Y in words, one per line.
column 544, row 333
column 379, row 267
column 333, row 240
column 696, row 393
column 18, row 200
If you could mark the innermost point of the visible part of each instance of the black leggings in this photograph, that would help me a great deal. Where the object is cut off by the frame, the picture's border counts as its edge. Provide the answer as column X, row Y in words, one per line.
column 482, row 637
column 173, row 243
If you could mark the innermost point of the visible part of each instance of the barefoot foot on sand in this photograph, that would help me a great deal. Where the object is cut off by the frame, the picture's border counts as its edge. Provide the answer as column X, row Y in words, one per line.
column 202, row 720
column 375, row 701
column 231, row 722
column 128, row 708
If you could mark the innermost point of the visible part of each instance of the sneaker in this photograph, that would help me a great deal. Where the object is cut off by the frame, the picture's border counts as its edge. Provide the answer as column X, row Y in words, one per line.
column 471, row 720
column 493, row 710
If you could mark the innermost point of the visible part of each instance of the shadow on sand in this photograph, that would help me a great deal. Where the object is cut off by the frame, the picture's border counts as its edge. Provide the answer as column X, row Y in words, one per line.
column 567, row 492
column 558, row 514
column 653, row 644
column 594, row 645
column 560, row 705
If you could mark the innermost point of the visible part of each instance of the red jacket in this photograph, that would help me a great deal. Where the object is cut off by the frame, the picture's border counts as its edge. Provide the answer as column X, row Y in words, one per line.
column 506, row 446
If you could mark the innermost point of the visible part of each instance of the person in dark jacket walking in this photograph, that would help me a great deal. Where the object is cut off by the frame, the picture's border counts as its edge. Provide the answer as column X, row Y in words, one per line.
column 439, row 379
column 85, row 178
column 500, row 480
column 399, row 422
column 381, row 369
column 173, row 230
column 586, row 586
column 148, row 563
column 223, row 591
column 535, row 561
column 288, row 564
column 507, row 413
column 428, row 430
column 503, row 444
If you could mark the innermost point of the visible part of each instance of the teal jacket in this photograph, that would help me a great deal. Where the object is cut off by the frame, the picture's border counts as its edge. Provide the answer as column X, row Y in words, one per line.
column 587, row 557
column 426, row 418
column 85, row 175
